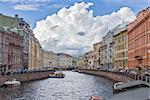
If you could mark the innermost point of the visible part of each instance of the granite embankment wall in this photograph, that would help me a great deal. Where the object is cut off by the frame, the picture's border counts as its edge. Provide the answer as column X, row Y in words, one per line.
column 24, row 77
column 110, row 75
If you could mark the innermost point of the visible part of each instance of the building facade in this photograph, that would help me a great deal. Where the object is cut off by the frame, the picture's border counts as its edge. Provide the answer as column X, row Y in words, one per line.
column 80, row 63
column 50, row 59
column 24, row 30
column 35, row 53
column 89, row 60
column 74, row 63
column 9, row 22
column 32, row 51
column 65, row 60
column 120, row 39
column 139, row 41
column 107, row 50
column 11, row 45
column 39, row 55
column 96, row 51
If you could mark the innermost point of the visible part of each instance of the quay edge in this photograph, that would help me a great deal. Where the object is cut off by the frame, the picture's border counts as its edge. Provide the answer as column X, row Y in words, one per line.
column 113, row 76
column 25, row 77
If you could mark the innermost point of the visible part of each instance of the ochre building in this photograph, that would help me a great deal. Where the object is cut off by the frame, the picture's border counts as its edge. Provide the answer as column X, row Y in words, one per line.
column 96, row 54
column 121, row 47
column 35, row 53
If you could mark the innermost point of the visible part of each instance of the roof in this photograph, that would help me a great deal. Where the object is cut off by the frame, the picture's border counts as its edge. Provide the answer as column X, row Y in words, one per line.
column 120, row 28
column 63, row 54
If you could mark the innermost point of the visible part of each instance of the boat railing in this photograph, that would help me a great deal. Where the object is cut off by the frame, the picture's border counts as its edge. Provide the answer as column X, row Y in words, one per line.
column 129, row 86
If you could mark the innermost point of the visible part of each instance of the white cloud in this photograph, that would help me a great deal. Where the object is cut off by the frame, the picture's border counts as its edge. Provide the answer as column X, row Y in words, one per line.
column 56, row 6
column 27, row 4
column 73, row 30
column 25, row 7
column 127, row 1
column 25, row 1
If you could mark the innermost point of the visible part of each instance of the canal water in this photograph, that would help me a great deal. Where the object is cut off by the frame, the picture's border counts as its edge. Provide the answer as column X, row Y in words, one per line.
column 75, row 86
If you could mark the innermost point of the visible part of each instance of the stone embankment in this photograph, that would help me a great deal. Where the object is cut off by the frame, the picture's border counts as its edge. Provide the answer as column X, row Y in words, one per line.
column 25, row 77
column 110, row 75
column 118, row 76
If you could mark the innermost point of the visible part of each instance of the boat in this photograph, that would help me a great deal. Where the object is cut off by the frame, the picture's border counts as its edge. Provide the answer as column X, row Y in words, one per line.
column 96, row 98
column 13, row 82
column 132, row 90
column 57, row 75
column 115, row 87
column 75, row 70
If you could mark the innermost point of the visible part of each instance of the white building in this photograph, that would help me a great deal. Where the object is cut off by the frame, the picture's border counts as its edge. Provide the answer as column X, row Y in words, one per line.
column 65, row 60
column 50, row 59
column 107, row 50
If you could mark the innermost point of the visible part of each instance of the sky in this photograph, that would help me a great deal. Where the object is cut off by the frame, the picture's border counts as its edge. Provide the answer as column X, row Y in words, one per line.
column 72, row 26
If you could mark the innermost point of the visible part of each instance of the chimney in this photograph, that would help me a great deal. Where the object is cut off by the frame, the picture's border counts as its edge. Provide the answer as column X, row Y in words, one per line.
column 16, row 15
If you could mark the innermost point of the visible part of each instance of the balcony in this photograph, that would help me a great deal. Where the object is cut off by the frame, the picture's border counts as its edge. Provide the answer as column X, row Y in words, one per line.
column 138, row 57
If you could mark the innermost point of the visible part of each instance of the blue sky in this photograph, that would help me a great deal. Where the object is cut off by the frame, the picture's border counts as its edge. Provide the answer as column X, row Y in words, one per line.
column 48, row 7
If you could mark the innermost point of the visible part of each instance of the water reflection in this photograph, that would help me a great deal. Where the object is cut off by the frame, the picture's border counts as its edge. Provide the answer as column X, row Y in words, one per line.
column 74, row 86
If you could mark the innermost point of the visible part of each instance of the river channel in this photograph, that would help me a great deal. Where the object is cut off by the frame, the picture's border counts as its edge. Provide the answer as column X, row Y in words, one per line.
column 75, row 86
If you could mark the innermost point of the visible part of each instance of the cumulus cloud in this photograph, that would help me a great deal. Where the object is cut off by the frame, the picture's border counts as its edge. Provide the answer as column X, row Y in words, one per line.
column 73, row 30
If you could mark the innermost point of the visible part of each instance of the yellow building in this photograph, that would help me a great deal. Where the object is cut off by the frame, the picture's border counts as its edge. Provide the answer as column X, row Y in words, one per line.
column 41, row 57
column 80, row 63
column 96, row 51
column 35, row 53
column 121, row 47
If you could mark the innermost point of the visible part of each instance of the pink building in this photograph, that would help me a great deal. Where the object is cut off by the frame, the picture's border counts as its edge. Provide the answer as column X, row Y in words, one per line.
column 11, row 46
column 139, row 41
column 89, row 60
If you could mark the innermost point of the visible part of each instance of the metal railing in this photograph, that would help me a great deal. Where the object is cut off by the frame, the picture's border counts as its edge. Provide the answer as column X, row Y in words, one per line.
column 141, row 77
column 26, row 71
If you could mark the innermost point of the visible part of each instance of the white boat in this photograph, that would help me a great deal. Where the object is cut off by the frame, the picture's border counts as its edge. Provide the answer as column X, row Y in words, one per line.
column 115, row 87
column 133, row 90
column 13, row 82
column 121, row 85
column 57, row 75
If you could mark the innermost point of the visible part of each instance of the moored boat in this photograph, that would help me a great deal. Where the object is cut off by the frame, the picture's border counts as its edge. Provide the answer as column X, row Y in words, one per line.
column 57, row 75
column 133, row 90
column 115, row 86
column 13, row 82
column 96, row 98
